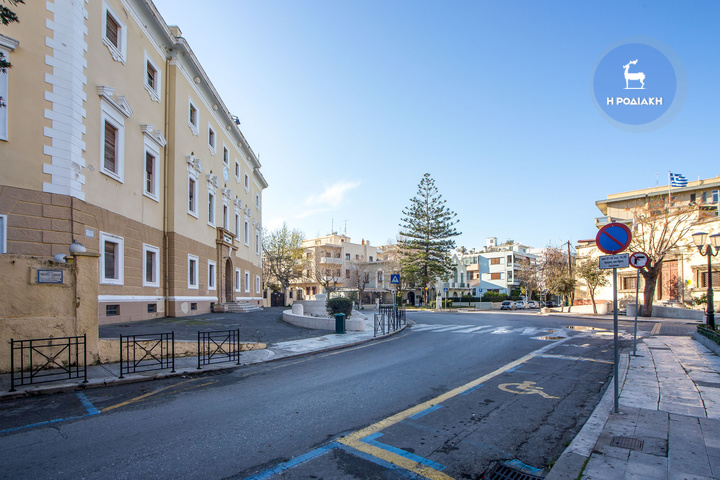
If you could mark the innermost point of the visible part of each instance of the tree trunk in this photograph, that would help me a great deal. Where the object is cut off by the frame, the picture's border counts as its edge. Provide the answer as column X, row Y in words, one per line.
column 592, row 297
column 650, row 277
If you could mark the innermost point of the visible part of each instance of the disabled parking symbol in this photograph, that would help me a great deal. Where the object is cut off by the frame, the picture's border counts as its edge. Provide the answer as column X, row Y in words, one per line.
column 524, row 388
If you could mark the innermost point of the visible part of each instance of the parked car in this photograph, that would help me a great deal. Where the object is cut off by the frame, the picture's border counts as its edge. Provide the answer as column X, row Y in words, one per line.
column 521, row 304
column 550, row 304
column 508, row 305
column 533, row 304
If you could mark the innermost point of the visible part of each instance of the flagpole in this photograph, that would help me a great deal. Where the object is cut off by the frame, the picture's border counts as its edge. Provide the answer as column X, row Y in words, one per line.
column 669, row 195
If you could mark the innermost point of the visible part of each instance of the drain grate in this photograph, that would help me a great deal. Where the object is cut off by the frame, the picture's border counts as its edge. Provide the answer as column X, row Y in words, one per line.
column 500, row 471
column 627, row 442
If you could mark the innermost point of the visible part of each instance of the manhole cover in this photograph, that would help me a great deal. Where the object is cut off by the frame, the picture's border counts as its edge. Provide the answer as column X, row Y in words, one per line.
column 500, row 471
column 627, row 442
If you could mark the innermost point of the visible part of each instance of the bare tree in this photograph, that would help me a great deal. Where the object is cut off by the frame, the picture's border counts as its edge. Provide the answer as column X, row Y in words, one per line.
column 282, row 256
column 529, row 274
column 321, row 268
column 659, row 227
column 589, row 271
column 360, row 277
column 555, row 272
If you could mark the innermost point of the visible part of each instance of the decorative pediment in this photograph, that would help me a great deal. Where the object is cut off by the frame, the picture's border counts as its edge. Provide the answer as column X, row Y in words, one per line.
column 155, row 135
column 120, row 103
column 227, row 194
column 194, row 165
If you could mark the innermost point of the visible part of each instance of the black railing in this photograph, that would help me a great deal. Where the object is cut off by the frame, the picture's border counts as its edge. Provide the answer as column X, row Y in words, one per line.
column 218, row 346
column 47, row 359
column 389, row 320
column 153, row 351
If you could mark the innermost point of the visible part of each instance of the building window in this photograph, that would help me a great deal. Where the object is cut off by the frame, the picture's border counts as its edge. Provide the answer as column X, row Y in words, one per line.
column 211, row 209
column 192, row 197
column 226, row 218
column 257, row 243
column 715, row 196
column 237, row 279
column 7, row 45
column 379, row 279
column 151, row 266
column 257, row 284
column 111, row 259
column 509, row 259
column 371, row 258
column 247, row 182
column 628, row 283
column 193, row 119
column 192, row 271
column 151, row 180
column 347, row 256
column 114, row 36
column 237, row 171
column 152, row 308
column 247, row 233
column 509, row 276
column 112, row 153
column 496, row 276
column 193, row 306
column 347, row 273
column 211, row 140
column 112, row 310
column 495, row 261
column 237, row 226
column 247, row 281
column 226, row 155
column 702, row 278
column 257, row 201
column 693, row 197
column 211, row 275
column 152, row 79
column 704, row 197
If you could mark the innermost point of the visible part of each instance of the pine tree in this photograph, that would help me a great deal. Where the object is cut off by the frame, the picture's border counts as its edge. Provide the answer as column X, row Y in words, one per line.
column 7, row 17
column 426, row 235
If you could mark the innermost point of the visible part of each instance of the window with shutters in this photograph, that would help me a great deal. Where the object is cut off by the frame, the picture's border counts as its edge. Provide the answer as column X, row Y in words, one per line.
column 226, row 155
column 151, row 177
column 114, row 33
column 152, row 79
column 192, row 271
column 193, row 118
column 151, row 266
column 496, row 276
column 495, row 261
column 211, row 140
column 192, row 197
column 211, row 209
column 112, row 142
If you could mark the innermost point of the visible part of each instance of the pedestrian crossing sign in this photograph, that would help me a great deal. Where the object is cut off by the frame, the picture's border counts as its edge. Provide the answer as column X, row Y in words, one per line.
column 395, row 278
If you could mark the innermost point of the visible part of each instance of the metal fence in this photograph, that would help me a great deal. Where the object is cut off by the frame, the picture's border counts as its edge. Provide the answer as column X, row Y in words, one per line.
column 218, row 346
column 41, row 360
column 389, row 320
column 153, row 351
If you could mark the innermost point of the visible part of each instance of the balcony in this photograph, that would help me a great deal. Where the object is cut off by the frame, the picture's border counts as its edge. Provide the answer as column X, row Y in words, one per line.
column 337, row 261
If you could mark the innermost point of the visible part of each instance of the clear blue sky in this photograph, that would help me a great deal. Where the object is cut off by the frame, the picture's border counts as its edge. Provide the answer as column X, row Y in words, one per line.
column 349, row 103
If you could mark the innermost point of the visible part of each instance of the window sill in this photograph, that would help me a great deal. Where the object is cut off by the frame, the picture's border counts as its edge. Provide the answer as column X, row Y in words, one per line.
column 151, row 196
column 194, row 129
column 112, row 175
column 154, row 95
column 117, row 55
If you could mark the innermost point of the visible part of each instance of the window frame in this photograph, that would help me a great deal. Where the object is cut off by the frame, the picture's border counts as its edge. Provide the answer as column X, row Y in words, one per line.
column 257, row 201
column 258, row 286
column 154, row 91
column 194, row 127
column 238, row 171
column 247, row 281
column 226, row 155
column 211, row 207
column 156, row 265
column 238, row 280
column 257, row 242
column 193, row 280
column 247, row 183
column 212, row 273
column 246, row 236
column 119, row 279
column 119, row 51
column 190, row 211
column 110, row 116
column 151, row 149
column 7, row 45
column 3, row 234
column 212, row 140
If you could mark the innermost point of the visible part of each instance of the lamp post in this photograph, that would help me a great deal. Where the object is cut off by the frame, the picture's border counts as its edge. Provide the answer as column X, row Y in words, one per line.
column 708, row 250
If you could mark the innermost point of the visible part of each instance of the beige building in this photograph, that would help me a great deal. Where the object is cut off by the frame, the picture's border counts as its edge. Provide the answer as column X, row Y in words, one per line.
column 114, row 137
column 334, row 261
column 684, row 270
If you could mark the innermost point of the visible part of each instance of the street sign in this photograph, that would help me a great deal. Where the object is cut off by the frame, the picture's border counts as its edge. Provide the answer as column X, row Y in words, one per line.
column 395, row 278
column 614, row 261
column 639, row 260
column 446, row 289
column 613, row 238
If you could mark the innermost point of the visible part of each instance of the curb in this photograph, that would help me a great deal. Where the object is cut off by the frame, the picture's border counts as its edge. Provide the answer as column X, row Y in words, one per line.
column 136, row 378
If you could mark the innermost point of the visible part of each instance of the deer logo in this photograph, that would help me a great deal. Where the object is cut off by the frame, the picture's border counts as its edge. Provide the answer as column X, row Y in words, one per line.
column 633, row 76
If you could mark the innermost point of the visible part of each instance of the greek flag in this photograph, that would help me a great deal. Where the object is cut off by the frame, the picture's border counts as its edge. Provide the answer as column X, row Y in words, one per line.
column 677, row 180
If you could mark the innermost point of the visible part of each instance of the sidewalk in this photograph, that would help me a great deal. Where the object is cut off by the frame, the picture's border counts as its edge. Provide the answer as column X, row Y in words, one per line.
column 669, row 421
column 109, row 374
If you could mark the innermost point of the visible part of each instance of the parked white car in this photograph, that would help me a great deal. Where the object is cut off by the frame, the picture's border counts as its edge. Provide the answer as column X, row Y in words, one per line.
column 508, row 305
column 521, row 304
column 533, row 304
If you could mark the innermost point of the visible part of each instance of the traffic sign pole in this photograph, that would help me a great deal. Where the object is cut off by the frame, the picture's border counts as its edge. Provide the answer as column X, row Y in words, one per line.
column 615, row 343
column 637, row 260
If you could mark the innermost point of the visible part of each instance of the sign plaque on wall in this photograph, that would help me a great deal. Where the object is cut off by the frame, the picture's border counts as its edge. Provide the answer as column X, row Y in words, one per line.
column 49, row 276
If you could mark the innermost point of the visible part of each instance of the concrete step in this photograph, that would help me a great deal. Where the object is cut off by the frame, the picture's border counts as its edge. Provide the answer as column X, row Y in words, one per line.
column 236, row 307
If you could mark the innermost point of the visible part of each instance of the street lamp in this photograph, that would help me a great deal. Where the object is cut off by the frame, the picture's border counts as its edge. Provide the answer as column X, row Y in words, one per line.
column 708, row 250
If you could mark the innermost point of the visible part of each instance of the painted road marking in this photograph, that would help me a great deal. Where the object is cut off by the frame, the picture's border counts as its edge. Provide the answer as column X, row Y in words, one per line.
column 524, row 388
column 355, row 439
column 425, row 412
column 87, row 404
column 656, row 329
column 370, row 440
column 143, row 397
column 579, row 359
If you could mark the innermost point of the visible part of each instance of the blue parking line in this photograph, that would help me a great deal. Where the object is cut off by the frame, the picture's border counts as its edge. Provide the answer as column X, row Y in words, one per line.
column 470, row 390
column 87, row 404
column 380, row 461
column 294, row 462
column 370, row 440
column 425, row 412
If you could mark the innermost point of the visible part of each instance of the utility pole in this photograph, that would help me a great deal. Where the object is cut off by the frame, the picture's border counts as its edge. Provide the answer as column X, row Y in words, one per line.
column 570, row 274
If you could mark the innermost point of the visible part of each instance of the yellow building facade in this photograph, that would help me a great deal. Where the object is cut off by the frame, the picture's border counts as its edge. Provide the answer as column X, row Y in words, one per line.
column 114, row 137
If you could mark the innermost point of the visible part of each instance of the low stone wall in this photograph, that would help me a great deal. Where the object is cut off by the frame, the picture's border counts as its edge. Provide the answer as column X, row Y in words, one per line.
column 477, row 305
column 669, row 312
column 110, row 348
column 356, row 323
column 602, row 308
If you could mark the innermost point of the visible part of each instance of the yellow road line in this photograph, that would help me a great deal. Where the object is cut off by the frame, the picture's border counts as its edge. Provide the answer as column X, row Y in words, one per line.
column 142, row 397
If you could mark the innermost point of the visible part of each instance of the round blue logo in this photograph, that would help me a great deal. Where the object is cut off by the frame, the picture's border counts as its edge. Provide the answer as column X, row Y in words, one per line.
column 639, row 84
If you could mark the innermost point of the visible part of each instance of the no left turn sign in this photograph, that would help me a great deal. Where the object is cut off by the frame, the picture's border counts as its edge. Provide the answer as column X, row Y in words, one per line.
column 639, row 260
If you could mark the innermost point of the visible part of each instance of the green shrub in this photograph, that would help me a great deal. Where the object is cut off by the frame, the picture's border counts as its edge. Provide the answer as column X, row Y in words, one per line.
column 494, row 297
column 339, row 305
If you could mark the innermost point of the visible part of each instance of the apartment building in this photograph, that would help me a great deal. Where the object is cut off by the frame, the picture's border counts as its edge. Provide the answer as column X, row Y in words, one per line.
column 684, row 271
column 491, row 269
column 115, row 138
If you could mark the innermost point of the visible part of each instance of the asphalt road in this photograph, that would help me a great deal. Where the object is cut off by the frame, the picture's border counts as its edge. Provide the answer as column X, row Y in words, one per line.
column 448, row 398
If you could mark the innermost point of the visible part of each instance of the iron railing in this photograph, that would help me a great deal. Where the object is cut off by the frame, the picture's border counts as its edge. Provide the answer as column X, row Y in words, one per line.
column 218, row 346
column 47, row 359
column 152, row 351
column 389, row 320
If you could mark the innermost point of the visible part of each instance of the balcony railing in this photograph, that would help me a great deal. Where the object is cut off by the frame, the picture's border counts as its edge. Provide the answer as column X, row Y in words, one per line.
column 331, row 260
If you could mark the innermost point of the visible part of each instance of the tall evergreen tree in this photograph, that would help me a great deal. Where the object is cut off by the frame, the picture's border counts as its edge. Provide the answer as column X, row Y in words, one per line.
column 426, row 235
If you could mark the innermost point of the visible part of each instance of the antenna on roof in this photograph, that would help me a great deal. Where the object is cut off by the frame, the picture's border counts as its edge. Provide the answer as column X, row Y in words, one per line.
column 345, row 228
